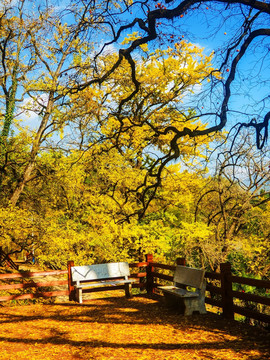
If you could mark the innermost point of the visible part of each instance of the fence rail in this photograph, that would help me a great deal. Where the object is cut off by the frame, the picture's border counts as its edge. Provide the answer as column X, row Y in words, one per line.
column 149, row 275
column 38, row 288
column 27, row 274
column 251, row 282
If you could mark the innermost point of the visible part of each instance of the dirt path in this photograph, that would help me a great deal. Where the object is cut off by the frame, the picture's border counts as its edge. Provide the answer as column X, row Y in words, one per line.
column 117, row 328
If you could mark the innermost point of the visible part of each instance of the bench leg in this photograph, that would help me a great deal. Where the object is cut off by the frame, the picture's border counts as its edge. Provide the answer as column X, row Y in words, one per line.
column 128, row 290
column 192, row 305
column 185, row 306
column 201, row 306
column 79, row 295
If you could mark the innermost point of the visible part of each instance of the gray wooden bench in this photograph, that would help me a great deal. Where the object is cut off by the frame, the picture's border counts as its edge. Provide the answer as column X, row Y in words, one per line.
column 186, row 300
column 89, row 276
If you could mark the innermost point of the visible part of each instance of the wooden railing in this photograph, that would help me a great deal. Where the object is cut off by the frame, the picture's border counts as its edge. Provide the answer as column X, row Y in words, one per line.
column 25, row 280
column 15, row 284
column 222, row 294
column 220, row 290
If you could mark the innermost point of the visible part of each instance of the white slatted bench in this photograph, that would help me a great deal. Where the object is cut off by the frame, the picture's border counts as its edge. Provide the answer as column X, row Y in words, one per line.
column 89, row 276
column 186, row 300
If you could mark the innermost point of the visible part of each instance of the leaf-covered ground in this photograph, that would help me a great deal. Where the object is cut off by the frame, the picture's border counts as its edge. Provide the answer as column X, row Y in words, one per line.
column 117, row 328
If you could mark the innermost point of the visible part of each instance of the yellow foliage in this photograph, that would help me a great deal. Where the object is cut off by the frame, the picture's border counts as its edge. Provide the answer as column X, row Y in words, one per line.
column 20, row 228
column 78, row 201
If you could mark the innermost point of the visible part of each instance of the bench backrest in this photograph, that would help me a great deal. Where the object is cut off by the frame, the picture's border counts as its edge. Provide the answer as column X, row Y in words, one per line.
column 189, row 276
column 100, row 271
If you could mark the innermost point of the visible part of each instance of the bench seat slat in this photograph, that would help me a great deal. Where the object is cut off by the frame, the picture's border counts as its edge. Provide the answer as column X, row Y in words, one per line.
column 110, row 282
column 179, row 292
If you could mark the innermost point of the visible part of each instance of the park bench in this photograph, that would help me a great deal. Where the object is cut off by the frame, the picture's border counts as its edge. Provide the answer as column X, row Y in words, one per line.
column 187, row 300
column 89, row 276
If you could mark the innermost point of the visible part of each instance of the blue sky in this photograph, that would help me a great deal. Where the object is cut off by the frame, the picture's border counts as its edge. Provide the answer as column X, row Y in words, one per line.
column 200, row 27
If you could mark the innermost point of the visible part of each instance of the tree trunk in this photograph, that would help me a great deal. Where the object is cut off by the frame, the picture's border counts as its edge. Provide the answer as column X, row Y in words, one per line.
column 34, row 151
column 10, row 107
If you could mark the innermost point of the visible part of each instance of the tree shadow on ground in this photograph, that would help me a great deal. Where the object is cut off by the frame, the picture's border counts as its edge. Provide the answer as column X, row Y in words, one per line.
column 138, row 325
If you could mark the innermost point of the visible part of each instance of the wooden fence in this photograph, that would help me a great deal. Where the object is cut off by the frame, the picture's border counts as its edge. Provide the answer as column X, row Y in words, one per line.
column 149, row 275
column 25, row 280
column 221, row 294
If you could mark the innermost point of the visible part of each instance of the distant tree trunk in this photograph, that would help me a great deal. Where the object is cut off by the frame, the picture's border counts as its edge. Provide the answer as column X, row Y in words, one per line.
column 9, row 115
column 35, row 147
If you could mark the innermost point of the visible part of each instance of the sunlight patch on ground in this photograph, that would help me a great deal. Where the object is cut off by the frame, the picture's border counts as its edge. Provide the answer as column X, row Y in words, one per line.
column 117, row 328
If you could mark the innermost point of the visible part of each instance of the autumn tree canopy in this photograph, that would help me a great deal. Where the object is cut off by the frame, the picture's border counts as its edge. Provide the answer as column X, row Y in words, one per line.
column 247, row 40
column 236, row 32
column 123, row 100
column 63, row 48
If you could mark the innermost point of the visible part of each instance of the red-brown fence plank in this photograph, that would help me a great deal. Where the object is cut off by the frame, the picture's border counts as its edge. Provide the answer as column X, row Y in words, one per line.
column 46, row 294
column 139, row 264
column 251, row 314
column 162, row 276
column 138, row 275
column 32, row 274
column 33, row 285
column 251, row 282
column 71, row 289
column 214, row 289
column 251, row 297
column 212, row 276
column 163, row 266
column 213, row 302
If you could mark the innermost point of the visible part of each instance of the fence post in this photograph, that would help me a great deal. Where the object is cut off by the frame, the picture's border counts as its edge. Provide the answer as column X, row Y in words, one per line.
column 149, row 274
column 71, row 289
column 226, row 287
column 181, row 261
